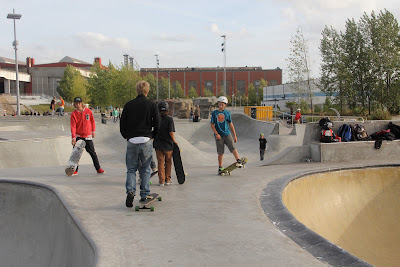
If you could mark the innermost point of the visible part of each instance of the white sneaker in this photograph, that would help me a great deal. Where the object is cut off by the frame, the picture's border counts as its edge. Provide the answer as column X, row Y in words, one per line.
column 168, row 183
column 161, row 184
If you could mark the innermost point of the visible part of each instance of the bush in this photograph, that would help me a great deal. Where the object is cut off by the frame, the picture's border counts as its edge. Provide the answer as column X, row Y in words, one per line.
column 380, row 114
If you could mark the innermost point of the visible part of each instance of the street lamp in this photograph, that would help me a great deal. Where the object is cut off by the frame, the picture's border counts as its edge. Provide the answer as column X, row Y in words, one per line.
column 14, row 16
column 224, row 50
column 158, row 63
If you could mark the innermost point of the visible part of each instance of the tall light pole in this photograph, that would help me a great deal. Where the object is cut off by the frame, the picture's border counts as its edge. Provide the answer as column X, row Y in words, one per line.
column 14, row 16
column 224, row 50
column 158, row 63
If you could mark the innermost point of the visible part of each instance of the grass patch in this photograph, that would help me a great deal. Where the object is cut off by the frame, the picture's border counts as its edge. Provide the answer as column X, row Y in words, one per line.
column 45, row 107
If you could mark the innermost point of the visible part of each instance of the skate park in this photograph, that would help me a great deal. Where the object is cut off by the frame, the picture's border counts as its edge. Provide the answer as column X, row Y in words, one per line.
column 306, row 204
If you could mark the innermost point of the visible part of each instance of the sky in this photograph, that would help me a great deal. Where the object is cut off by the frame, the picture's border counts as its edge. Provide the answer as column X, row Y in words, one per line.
column 182, row 33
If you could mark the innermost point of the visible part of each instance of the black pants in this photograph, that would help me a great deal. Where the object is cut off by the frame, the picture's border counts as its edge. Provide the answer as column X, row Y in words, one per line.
column 90, row 149
column 262, row 152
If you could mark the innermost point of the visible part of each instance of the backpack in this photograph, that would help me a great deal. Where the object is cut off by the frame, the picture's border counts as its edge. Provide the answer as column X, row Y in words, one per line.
column 324, row 123
column 360, row 134
column 394, row 129
column 345, row 133
column 327, row 136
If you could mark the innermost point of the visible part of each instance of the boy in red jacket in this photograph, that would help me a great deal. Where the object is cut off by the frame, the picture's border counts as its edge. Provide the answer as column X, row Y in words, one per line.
column 83, row 127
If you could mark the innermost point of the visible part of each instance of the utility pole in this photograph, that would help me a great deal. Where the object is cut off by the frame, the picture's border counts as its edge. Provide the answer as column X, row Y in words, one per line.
column 158, row 63
column 14, row 16
column 224, row 51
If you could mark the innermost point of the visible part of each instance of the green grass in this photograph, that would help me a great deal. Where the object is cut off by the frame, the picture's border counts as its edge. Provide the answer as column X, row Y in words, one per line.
column 46, row 107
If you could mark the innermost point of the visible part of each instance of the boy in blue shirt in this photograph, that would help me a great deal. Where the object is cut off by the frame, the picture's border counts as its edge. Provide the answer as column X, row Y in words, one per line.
column 224, row 132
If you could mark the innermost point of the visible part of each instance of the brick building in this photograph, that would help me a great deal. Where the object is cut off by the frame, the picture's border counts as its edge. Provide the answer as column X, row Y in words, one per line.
column 237, row 78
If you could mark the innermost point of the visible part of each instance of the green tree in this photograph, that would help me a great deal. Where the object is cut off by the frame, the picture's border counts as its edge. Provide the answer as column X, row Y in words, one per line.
column 72, row 84
column 192, row 93
column 207, row 93
column 178, row 91
column 251, row 93
column 299, row 68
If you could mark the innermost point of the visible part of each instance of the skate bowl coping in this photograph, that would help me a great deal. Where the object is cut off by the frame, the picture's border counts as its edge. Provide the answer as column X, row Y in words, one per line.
column 38, row 230
column 355, row 209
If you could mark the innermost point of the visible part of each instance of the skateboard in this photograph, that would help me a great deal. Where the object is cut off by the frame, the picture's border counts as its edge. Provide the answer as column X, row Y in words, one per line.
column 150, row 198
column 233, row 166
column 75, row 157
column 151, row 175
column 180, row 173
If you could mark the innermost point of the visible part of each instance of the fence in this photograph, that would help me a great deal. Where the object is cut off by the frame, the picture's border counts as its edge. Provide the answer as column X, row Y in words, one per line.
column 262, row 113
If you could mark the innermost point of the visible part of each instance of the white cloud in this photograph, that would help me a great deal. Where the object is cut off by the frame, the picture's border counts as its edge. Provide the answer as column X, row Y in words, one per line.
column 99, row 41
column 215, row 29
column 174, row 38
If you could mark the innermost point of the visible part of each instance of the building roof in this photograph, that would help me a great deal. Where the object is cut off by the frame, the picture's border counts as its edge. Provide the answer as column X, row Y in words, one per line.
column 10, row 61
column 68, row 59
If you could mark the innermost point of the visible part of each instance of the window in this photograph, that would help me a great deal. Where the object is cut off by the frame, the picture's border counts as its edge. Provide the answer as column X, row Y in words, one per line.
column 193, row 84
column 256, row 84
column 241, row 87
column 272, row 83
column 208, row 85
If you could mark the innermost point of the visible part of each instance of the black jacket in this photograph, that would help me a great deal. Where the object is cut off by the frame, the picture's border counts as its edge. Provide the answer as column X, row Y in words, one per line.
column 139, row 118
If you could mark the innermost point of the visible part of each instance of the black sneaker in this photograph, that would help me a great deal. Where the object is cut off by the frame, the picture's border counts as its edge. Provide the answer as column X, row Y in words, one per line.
column 129, row 200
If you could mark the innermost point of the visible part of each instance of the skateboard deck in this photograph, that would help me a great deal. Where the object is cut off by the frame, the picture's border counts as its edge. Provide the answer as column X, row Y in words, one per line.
column 75, row 157
column 176, row 156
column 150, row 199
column 233, row 166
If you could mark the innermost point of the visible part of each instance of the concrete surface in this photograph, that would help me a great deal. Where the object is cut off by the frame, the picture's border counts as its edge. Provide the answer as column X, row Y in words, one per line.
column 356, row 209
column 208, row 221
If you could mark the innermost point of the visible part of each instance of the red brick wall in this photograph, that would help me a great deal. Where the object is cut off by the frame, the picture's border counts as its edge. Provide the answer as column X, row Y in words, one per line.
column 232, row 76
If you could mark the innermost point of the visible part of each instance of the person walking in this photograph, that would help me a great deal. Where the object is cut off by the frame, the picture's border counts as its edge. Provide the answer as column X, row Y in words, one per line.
column 62, row 104
column 224, row 132
column 115, row 114
column 164, row 145
column 196, row 114
column 83, row 127
column 53, row 106
column 139, row 125
column 263, row 146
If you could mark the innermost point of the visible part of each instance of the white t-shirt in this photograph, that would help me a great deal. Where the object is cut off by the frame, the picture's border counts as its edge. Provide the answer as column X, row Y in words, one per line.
column 139, row 140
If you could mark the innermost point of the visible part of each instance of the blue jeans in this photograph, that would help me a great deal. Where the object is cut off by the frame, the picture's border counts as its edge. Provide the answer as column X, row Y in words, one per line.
column 134, row 153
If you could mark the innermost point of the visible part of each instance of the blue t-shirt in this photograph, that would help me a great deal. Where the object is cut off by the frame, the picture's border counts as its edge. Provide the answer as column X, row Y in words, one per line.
column 221, row 120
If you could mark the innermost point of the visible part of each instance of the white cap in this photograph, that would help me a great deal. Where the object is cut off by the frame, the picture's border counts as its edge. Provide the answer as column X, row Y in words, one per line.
column 298, row 109
column 223, row 99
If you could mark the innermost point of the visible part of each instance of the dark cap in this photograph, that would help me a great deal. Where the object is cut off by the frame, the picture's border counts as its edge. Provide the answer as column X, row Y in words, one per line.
column 78, row 99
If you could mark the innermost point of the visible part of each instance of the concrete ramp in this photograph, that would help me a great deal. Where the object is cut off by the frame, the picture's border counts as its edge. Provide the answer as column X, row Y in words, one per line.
column 37, row 230
column 358, row 210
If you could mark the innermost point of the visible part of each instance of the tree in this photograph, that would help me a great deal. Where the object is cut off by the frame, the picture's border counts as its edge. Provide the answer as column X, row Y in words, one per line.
column 299, row 62
column 251, row 93
column 192, row 93
column 207, row 93
column 72, row 84
column 178, row 92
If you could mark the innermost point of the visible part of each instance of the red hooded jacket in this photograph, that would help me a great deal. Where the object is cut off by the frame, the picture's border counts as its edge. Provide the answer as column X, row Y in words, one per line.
column 82, row 123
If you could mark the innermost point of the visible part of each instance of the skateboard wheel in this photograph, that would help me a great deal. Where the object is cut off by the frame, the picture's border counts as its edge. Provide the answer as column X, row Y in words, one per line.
column 151, row 182
column 136, row 208
column 160, row 199
column 152, row 208
column 229, row 173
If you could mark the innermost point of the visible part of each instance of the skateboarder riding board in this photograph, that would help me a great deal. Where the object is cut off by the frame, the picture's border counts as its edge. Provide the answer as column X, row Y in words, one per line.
column 83, row 128
column 139, row 126
column 224, row 132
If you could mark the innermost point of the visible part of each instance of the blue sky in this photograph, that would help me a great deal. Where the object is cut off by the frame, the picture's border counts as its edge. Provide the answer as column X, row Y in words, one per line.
column 183, row 33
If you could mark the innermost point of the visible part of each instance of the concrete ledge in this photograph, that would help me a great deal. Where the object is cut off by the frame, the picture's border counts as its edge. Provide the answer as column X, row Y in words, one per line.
column 355, row 150
column 39, row 230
